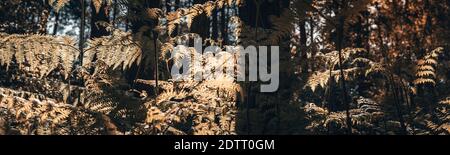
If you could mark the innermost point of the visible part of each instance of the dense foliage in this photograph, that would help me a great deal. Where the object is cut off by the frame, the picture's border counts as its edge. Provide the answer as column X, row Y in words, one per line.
column 103, row 67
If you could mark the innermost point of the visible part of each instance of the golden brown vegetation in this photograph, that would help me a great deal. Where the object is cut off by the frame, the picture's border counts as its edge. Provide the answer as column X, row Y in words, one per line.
column 346, row 67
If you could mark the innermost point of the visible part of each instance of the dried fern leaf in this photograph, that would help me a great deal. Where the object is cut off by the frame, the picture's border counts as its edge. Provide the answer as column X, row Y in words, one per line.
column 39, row 54
column 114, row 50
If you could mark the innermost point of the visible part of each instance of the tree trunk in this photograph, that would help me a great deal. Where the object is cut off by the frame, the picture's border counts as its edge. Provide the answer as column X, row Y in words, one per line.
column 100, row 16
column 340, row 36
column 55, row 28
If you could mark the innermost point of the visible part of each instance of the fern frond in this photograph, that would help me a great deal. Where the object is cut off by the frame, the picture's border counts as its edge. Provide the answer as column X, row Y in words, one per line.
column 59, row 4
column 27, row 109
column 97, row 4
column 421, row 81
column 170, row 94
column 154, row 13
column 39, row 54
column 426, row 72
column 348, row 54
column 362, row 60
column 176, row 17
column 444, row 127
column 154, row 114
column 114, row 50
column 208, row 8
column 282, row 25
column 166, row 49
column 435, row 53
column 431, row 61
column 426, row 68
column 47, row 116
column 355, row 64
column 6, row 56
column 100, row 103
column 318, row 79
column 210, row 104
column 445, row 102
column 376, row 68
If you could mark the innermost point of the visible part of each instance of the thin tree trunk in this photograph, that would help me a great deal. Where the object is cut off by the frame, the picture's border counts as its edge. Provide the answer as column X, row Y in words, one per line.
column 81, row 43
column 303, row 52
column 312, row 48
column 155, row 37
column 55, row 28
column 114, row 13
column 345, row 101
column 82, row 24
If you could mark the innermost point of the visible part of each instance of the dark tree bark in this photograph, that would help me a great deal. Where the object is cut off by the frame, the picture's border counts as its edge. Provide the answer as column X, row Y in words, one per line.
column 55, row 28
column 96, row 29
